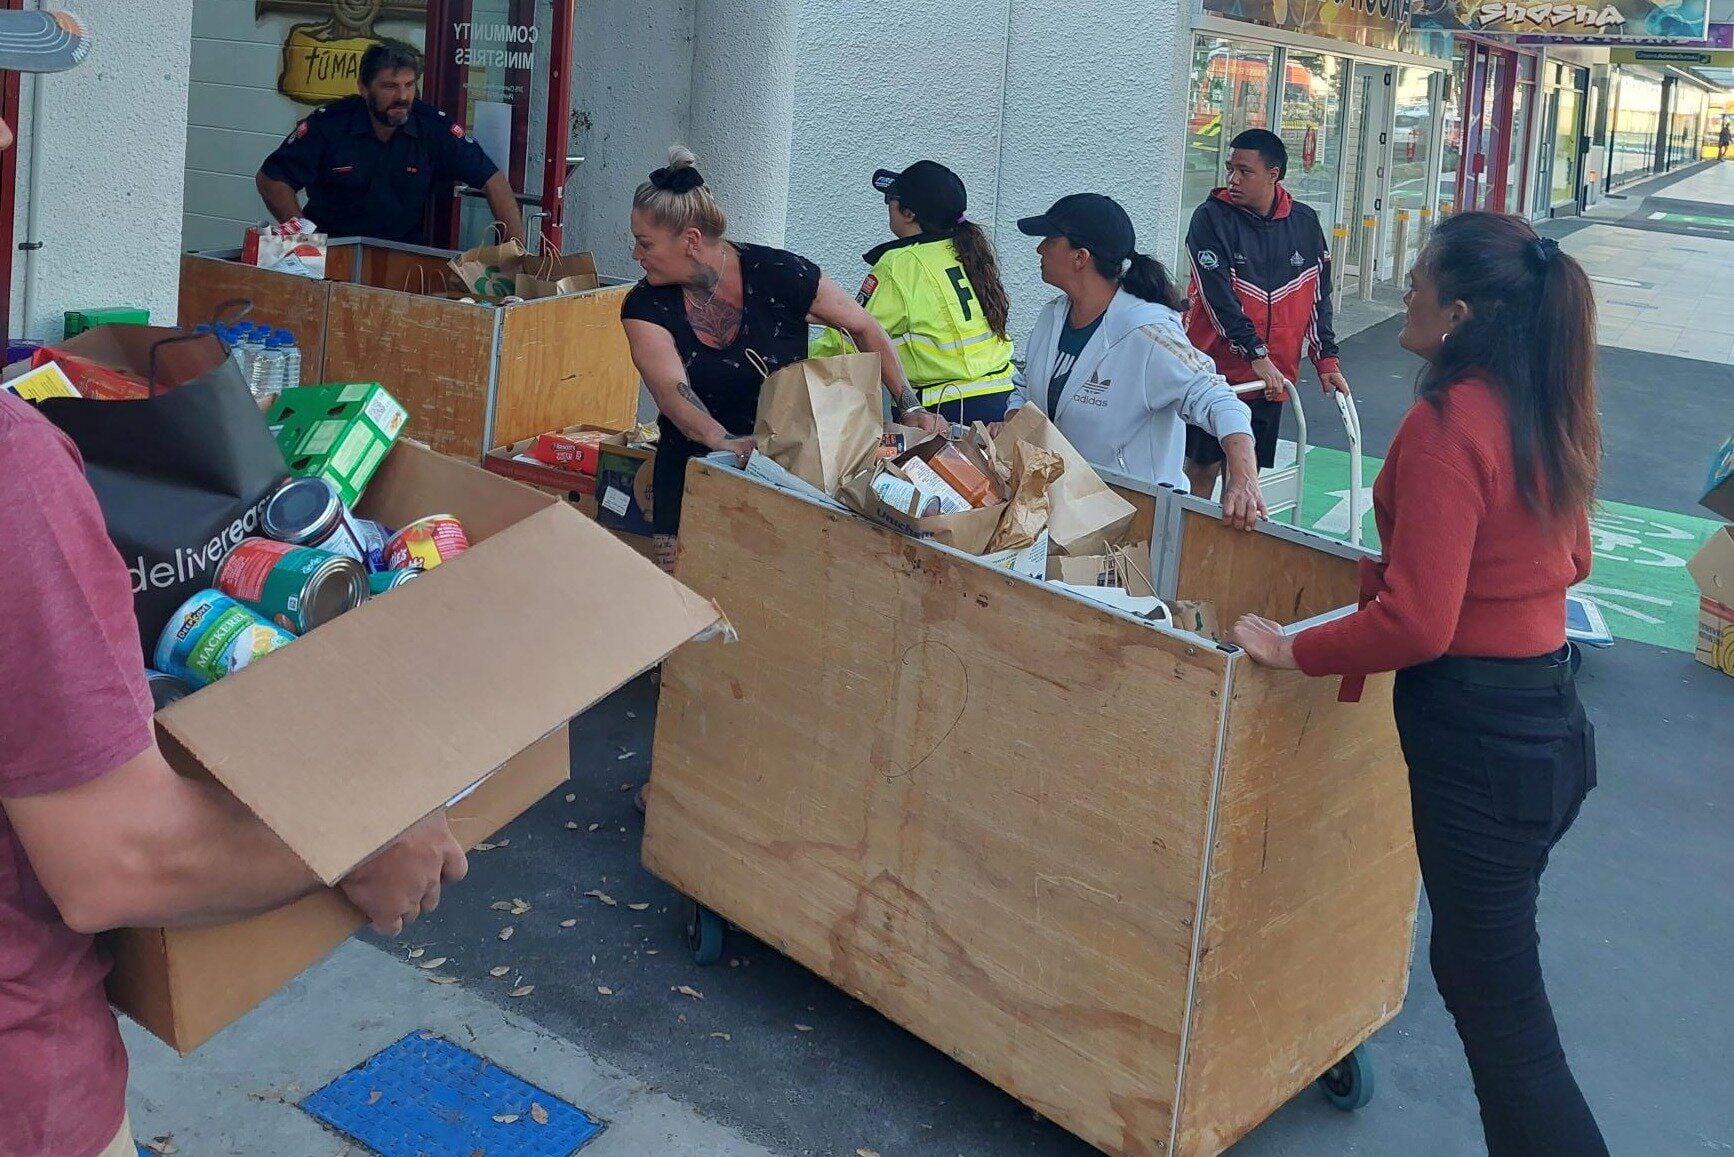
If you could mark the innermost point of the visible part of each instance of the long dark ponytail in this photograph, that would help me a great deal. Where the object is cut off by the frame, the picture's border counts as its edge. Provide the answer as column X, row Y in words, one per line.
column 1144, row 277
column 975, row 254
column 1531, row 333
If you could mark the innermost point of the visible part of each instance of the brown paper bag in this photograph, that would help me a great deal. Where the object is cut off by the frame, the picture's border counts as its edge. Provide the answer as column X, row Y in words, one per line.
column 820, row 419
column 556, row 275
column 967, row 530
column 1086, row 515
column 1033, row 474
column 490, row 271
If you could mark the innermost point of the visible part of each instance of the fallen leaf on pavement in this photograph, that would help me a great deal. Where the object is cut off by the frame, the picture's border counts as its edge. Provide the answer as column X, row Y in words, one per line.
column 866, row 1152
column 430, row 965
column 604, row 990
column 505, row 1118
column 484, row 847
column 523, row 990
column 443, row 979
column 639, row 907
column 803, row 1028
column 506, row 932
column 688, row 990
column 568, row 923
column 417, row 953
column 571, row 825
column 501, row 905
column 593, row 827
column 602, row 896
column 538, row 1114
column 721, row 1036
column 500, row 971
column 161, row 1145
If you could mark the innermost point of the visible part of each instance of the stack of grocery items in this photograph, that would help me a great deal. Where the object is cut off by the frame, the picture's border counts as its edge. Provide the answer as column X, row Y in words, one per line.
column 312, row 559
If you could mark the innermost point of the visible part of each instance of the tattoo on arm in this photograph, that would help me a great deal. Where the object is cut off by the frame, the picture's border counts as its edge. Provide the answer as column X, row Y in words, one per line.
column 685, row 391
column 908, row 400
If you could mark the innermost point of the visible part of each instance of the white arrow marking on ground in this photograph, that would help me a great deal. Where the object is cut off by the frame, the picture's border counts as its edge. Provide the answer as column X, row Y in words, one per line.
column 1590, row 592
column 1336, row 520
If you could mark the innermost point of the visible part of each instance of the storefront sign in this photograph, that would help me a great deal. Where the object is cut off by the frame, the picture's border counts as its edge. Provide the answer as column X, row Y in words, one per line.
column 1719, row 36
column 1666, row 20
column 322, row 60
column 1372, row 23
column 1691, row 57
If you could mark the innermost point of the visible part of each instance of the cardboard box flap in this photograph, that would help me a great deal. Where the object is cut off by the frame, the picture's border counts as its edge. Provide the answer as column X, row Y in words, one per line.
column 1712, row 568
column 345, row 739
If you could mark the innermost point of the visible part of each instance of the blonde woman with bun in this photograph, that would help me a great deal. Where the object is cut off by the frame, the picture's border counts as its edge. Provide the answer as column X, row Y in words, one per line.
column 709, row 313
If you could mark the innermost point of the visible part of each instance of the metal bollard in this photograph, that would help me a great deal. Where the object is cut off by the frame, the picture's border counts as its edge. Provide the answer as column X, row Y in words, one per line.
column 1369, row 254
column 1426, row 227
column 1339, row 251
column 1399, row 266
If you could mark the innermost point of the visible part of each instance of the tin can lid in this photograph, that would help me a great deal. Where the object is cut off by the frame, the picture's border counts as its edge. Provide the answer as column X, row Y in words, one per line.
column 301, row 510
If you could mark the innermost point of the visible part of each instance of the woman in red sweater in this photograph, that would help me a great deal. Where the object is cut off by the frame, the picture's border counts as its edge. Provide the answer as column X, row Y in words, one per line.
column 1482, row 507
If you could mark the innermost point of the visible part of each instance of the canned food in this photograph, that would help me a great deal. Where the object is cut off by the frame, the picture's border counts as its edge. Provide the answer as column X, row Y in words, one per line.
column 165, row 689
column 426, row 543
column 373, row 536
column 389, row 580
column 211, row 636
column 294, row 586
column 309, row 512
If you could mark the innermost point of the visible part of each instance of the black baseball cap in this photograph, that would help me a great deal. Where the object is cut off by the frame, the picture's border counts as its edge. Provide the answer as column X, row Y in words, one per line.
column 928, row 189
column 1089, row 221
column 41, row 41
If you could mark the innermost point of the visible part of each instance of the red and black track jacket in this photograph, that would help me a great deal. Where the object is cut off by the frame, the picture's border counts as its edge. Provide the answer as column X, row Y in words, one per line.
column 1260, row 280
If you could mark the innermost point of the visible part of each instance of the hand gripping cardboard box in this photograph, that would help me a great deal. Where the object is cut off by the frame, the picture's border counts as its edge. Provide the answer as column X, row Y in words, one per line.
column 466, row 677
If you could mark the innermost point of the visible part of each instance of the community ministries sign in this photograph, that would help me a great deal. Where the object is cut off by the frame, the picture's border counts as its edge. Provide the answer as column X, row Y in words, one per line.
column 1599, row 20
column 322, row 58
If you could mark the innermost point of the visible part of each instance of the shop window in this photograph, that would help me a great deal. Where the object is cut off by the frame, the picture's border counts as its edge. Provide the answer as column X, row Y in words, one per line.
column 1414, row 123
column 1311, row 126
column 1230, row 93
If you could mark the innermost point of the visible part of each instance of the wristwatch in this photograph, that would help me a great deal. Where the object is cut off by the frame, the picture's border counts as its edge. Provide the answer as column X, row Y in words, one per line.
column 1260, row 350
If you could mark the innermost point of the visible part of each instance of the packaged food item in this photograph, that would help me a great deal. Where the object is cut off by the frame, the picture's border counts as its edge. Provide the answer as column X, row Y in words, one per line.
column 45, row 381
column 293, row 586
column 165, row 689
column 577, row 450
column 211, row 636
column 340, row 433
column 928, row 481
column 380, row 582
column 309, row 512
column 903, row 497
column 426, row 543
column 965, row 477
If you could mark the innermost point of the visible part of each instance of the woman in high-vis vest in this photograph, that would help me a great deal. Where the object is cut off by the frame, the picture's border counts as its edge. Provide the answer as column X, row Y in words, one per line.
column 936, row 290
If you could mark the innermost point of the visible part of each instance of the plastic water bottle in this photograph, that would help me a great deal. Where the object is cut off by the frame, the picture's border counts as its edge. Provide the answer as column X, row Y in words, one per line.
column 266, row 379
column 291, row 366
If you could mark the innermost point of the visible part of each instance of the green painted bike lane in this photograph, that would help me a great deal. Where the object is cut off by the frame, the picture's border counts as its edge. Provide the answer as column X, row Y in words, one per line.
column 1639, row 581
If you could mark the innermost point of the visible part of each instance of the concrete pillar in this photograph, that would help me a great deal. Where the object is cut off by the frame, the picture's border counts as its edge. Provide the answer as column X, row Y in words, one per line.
column 743, row 109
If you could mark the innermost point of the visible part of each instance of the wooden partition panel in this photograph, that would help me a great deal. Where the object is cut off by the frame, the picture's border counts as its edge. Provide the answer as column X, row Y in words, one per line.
column 434, row 356
column 404, row 272
column 565, row 362
column 1310, row 913
column 1260, row 574
column 976, row 803
column 282, row 300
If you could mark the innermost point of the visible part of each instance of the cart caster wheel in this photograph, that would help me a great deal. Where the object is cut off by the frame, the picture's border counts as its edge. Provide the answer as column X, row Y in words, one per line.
column 705, row 933
column 1349, row 1083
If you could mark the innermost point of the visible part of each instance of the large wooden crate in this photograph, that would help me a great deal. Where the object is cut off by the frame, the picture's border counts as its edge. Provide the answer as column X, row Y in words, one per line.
column 1145, row 886
column 471, row 376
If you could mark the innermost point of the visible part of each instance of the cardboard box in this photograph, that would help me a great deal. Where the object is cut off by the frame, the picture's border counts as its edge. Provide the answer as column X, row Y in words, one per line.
column 577, row 449
column 345, row 739
column 625, row 488
column 1713, row 570
column 112, row 362
column 339, row 433
column 1719, row 484
column 521, row 462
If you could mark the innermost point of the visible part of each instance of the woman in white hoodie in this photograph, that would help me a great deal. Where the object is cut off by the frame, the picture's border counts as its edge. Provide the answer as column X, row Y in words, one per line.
column 1110, row 364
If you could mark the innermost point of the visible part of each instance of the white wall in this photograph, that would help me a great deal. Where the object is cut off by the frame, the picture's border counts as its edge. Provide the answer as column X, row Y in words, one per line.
column 631, row 99
column 1082, row 97
column 235, row 115
column 112, row 143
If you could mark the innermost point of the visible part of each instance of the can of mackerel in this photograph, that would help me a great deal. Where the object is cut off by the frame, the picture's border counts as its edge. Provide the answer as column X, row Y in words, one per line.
column 389, row 580
column 165, row 689
column 294, row 586
column 211, row 636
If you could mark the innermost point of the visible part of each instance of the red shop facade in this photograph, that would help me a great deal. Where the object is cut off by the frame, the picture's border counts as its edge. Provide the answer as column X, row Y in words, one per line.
column 1495, row 96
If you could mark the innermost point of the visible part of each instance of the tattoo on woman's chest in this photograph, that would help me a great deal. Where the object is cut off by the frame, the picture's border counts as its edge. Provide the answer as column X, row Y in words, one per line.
column 713, row 319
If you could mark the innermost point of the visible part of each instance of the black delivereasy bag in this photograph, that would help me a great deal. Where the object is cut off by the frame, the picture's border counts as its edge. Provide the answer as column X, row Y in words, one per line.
column 180, row 476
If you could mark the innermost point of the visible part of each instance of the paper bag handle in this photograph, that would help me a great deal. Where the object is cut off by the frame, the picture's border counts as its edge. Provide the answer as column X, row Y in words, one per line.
column 413, row 270
column 759, row 363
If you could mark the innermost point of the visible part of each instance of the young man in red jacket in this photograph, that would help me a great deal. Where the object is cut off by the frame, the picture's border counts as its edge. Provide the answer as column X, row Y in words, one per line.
column 1260, row 295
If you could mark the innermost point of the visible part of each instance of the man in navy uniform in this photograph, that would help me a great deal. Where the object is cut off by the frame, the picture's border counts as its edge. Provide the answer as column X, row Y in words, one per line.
column 370, row 162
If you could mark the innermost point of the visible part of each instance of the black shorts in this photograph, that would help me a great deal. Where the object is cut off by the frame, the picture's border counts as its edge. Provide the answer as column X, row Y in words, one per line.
column 1205, row 450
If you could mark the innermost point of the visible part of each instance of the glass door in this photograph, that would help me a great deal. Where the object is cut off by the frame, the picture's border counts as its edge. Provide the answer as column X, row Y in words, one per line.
column 1562, row 183
column 1230, row 93
column 1366, row 162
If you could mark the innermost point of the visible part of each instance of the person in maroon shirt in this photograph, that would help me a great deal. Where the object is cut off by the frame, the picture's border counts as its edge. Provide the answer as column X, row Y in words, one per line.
column 1482, row 508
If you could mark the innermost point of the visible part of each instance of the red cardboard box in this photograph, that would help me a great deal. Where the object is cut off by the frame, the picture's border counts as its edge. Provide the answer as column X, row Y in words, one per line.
column 578, row 450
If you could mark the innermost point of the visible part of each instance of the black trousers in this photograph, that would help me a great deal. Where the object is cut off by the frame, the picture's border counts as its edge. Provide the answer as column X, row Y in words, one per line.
column 1500, row 757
